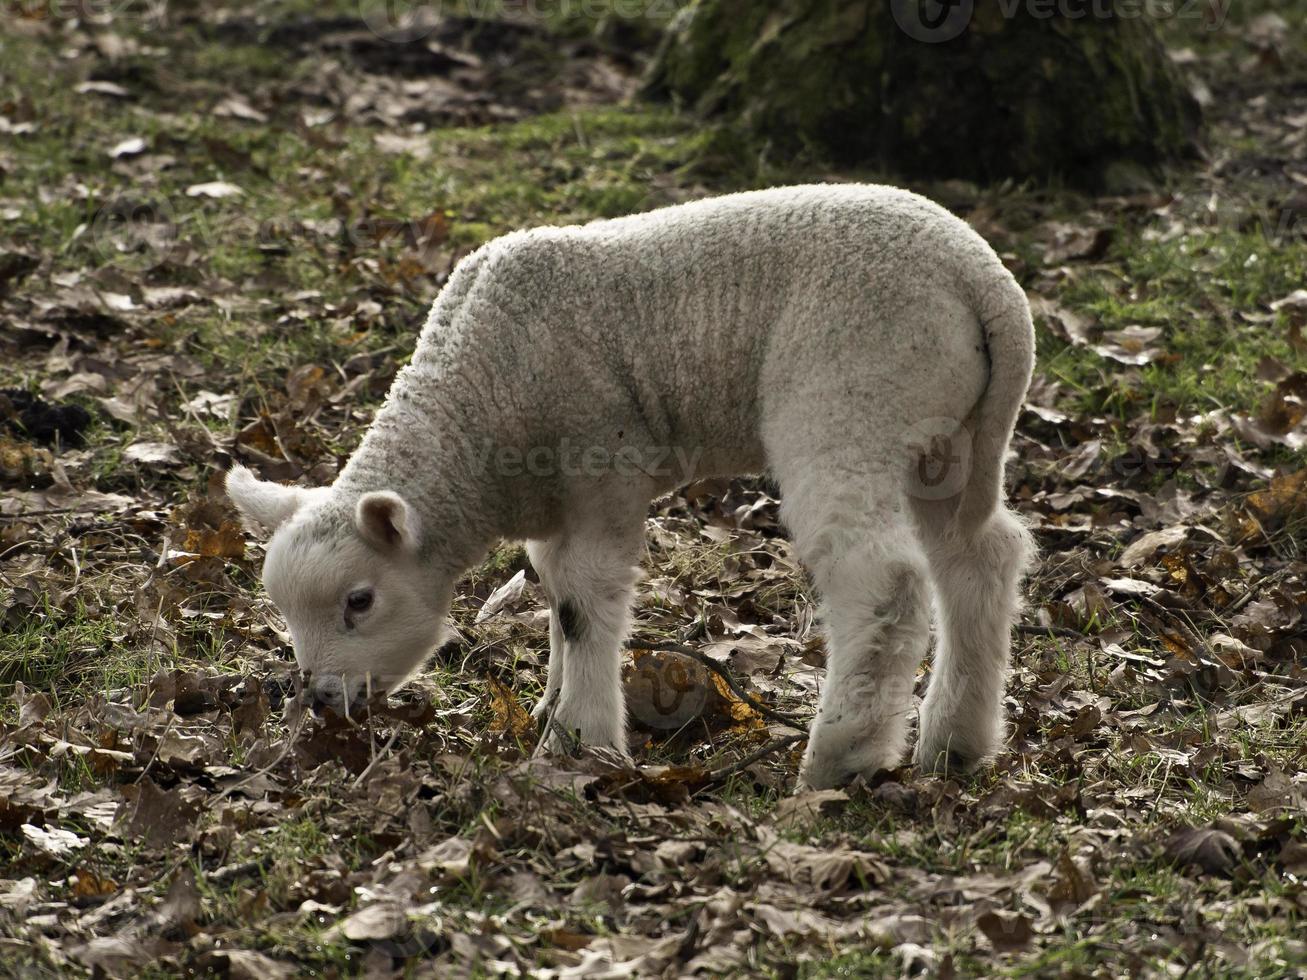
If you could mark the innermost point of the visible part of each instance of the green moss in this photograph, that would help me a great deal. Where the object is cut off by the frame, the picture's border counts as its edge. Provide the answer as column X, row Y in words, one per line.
column 841, row 82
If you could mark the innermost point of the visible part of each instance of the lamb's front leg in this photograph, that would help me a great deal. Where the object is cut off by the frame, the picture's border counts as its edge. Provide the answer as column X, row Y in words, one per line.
column 589, row 575
column 538, row 552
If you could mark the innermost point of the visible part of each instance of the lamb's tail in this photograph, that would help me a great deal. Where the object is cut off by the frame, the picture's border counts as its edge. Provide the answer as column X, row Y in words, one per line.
column 1004, row 314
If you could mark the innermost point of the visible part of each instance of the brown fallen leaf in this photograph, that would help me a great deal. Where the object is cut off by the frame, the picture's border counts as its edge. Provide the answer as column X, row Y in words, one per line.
column 826, row 869
column 1067, row 241
column 1133, row 345
column 452, row 858
column 1063, row 322
column 207, row 528
column 308, row 386
column 1207, row 848
column 123, row 955
column 1142, row 548
column 1007, row 932
column 509, row 715
column 382, row 920
column 1293, row 857
column 1072, row 886
column 804, row 808
column 54, row 841
column 793, row 922
column 158, row 817
column 1282, row 502
column 89, row 885
column 565, row 938
column 153, row 453
column 261, row 436
column 180, row 907
column 1284, row 410
column 248, row 964
column 1277, row 793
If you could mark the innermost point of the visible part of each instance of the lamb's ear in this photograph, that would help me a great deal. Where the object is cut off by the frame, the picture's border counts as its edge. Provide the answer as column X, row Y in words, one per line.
column 386, row 521
column 263, row 502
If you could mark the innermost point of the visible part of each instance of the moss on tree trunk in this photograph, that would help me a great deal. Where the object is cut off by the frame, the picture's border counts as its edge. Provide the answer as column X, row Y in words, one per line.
column 997, row 91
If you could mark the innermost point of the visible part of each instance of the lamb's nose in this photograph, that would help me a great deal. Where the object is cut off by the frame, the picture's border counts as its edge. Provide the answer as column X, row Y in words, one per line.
column 321, row 700
column 327, row 692
column 331, row 694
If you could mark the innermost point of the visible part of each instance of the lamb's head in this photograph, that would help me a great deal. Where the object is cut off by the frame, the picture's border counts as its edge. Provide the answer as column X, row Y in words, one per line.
column 364, row 612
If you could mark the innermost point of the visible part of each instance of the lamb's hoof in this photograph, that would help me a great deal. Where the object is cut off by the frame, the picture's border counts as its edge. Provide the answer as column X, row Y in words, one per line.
column 819, row 773
column 571, row 740
column 559, row 741
column 569, row 745
column 947, row 762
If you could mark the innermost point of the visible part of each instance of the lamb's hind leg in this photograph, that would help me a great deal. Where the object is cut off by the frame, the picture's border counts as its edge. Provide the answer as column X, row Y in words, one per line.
column 868, row 567
column 976, row 580
column 589, row 574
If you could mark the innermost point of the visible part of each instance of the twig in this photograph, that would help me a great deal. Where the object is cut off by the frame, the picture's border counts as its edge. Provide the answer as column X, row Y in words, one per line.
column 213, row 443
column 1181, row 625
column 665, row 646
column 1033, row 629
column 291, row 738
column 1246, row 598
column 775, row 745
column 551, row 708
column 358, row 780
column 157, row 748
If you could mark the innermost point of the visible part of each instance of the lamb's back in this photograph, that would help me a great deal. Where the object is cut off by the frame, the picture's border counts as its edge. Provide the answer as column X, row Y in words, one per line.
column 660, row 326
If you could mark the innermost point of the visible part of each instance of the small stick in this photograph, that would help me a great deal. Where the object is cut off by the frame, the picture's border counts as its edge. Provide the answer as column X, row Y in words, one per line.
column 375, row 759
column 1181, row 625
column 792, row 721
column 1032, row 629
column 291, row 738
column 550, row 710
column 775, row 745
column 1246, row 598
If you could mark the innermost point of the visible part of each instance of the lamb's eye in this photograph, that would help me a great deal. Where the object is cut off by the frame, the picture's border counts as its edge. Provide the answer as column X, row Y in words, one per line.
column 359, row 601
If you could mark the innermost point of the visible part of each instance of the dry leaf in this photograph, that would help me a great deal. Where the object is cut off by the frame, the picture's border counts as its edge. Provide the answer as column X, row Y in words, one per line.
column 214, row 189
column 1212, row 850
column 503, row 597
column 1007, row 932
column 54, row 841
column 510, row 716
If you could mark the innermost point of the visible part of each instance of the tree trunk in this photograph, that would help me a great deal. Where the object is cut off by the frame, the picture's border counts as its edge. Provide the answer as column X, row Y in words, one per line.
column 976, row 89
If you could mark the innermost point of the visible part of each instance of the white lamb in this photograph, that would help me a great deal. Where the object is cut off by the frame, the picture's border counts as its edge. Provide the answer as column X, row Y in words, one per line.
column 860, row 344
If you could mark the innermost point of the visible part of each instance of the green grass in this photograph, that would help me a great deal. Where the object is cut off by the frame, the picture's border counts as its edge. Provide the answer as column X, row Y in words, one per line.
column 62, row 650
column 1191, row 288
